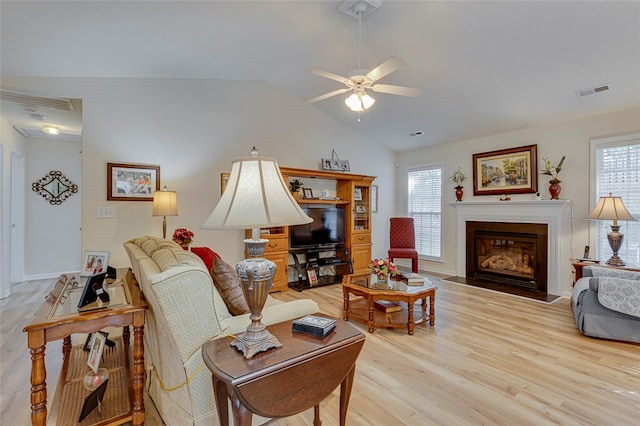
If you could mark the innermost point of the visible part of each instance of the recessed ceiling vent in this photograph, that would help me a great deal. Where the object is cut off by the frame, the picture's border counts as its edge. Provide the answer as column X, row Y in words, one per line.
column 36, row 101
column 592, row 90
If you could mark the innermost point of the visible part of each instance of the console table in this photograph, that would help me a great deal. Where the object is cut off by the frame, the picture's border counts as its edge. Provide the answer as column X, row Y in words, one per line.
column 285, row 381
column 46, row 327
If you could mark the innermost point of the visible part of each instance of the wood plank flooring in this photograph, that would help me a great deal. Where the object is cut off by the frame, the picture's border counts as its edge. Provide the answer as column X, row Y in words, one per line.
column 490, row 359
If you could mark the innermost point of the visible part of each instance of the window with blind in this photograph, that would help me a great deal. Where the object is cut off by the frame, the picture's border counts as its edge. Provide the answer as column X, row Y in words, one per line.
column 425, row 207
column 616, row 162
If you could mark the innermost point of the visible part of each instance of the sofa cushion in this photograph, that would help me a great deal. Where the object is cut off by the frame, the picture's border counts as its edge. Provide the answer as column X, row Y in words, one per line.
column 228, row 284
column 206, row 254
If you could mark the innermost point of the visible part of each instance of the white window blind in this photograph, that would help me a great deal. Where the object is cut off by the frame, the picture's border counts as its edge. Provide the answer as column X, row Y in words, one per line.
column 618, row 172
column 425, row 207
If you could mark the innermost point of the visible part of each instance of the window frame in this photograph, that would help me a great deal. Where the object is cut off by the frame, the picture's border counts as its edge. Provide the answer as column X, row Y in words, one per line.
column 595, row 145
column 429, row 166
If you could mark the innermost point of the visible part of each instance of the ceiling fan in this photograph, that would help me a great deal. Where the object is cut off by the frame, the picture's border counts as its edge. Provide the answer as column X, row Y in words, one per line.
column 360, row 80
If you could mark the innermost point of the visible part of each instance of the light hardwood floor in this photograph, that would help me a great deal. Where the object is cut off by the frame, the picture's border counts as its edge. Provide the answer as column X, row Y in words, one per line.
column 490, row 359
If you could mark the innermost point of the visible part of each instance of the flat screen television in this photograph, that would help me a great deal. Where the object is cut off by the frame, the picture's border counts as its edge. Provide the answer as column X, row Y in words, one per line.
column 327, row 229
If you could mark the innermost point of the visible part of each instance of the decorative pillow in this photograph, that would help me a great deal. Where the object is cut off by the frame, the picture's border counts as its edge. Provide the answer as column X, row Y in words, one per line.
column 207, row 255
column 228, row 284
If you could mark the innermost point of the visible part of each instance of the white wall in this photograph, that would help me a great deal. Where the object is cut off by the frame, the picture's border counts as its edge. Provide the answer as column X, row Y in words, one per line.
column 553, row 140
column 52, row 242
column 193, row 129
column 11, row 141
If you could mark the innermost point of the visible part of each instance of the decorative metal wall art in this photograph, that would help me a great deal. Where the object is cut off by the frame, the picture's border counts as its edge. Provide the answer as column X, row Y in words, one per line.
column 55, row 187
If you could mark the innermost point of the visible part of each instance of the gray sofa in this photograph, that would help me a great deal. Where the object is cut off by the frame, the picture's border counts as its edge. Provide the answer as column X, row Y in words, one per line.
column 606, row 303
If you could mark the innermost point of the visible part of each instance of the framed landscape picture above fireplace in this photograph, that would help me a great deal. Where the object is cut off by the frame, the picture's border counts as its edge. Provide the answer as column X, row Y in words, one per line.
column 506, row 171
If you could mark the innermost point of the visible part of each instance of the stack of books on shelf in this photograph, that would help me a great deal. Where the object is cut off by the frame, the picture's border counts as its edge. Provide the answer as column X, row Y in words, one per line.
column 387, row 307
column 314, row 325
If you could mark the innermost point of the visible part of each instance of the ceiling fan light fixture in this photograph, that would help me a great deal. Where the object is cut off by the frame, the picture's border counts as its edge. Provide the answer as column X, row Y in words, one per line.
column 50, row 130
column 359, row 102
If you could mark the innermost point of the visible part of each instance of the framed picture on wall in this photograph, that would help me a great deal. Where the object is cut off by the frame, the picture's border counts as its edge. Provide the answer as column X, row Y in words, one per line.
column 132, row 182
column 506, row 171
column 224, row 180
column 374, row 198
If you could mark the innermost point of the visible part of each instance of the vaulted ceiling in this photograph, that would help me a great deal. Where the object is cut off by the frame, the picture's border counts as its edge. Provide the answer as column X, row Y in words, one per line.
column 483, row 67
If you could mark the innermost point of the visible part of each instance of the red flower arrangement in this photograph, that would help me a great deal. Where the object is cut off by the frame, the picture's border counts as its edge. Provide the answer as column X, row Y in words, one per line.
column 182, row 236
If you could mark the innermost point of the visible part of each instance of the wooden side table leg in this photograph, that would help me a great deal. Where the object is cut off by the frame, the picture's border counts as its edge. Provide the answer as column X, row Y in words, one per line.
column 345, row 305
column 370, row 305
column 411, row 324
column 221, row 395
column 66, row 347
column 138, row 375
column 38, row 387
column 316, row 415
column 345, row 394
column 241, row 415
column 432, row 308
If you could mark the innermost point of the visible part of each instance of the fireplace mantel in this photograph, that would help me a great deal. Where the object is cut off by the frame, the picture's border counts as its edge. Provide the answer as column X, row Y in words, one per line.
column 555, row 213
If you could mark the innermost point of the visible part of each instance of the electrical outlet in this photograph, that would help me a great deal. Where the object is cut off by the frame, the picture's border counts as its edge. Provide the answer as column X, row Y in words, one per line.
column 105, row 212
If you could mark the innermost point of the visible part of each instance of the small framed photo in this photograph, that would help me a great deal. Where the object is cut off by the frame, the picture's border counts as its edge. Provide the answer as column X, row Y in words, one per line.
column 224, row 180
column 308, row 193
column 132, row 182
column 313, row 278
column 94, row 262
column 97, row 346
column 361, row 209
column 357, row 194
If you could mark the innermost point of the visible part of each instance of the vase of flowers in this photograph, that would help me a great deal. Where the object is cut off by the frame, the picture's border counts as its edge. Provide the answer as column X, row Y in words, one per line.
column 183, row 237
column 457, row 178
column 553, row 170
column 382, row 268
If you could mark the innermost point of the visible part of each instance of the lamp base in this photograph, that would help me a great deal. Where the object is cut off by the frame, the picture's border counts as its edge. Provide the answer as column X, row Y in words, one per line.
column 249, row 345
column 615, row 242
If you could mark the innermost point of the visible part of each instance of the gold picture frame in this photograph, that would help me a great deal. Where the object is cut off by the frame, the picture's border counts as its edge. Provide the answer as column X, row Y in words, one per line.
column 224, row 180
column 132, row 182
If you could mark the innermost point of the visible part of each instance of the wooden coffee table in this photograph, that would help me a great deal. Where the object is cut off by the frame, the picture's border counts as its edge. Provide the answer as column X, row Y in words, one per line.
column 364, row 310
column 285, row 381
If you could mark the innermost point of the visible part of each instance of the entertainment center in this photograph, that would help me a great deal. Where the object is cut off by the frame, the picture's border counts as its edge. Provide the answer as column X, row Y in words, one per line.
column 336, row 243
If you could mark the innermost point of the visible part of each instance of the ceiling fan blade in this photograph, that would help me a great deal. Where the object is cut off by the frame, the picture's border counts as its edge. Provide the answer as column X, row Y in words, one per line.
column 327, row 95
column 385, row 68
column 396, row 90
column 327, row 74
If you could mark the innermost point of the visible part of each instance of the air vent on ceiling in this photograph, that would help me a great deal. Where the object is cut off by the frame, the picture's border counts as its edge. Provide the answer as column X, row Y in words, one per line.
column 592, row 90
column 36, row 101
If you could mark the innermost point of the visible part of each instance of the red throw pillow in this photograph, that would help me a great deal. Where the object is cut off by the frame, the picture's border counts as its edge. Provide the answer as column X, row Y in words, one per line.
column 207, row 255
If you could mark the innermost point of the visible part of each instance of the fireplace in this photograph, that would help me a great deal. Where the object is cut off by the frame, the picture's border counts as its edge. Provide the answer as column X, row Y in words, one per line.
column 554, row 214
column 514, row 254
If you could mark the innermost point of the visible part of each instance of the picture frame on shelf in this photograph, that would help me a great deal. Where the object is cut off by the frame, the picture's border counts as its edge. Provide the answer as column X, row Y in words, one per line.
column 361, row 209
column 357, row 194
column 313, row 278
column 95, row 355
column 94, row 262
column 132, row 182
column 307, row 193
column 506, row 171
column 224, row 180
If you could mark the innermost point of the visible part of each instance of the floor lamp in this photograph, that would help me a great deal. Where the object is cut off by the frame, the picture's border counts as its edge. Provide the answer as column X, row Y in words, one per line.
column 165, row 203
column 612, row 208
column 256, row 196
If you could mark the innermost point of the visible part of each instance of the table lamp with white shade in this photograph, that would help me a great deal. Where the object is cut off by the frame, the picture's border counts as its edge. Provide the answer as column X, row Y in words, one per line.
column 165, row 203
column 256, row 196
column 612, row 208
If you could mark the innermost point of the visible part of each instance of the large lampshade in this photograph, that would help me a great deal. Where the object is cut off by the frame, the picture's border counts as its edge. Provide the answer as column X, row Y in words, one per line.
column 256, row 196
column 612, row 208
column 165, row 203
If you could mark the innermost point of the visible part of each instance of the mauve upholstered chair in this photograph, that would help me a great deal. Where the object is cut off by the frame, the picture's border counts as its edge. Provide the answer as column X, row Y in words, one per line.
column 403, row 241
